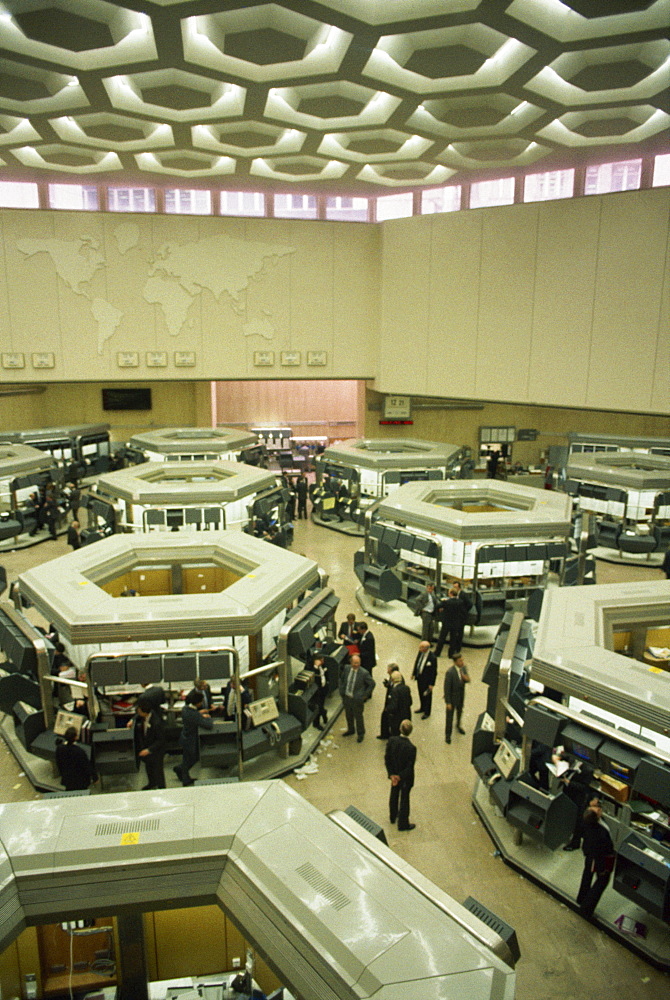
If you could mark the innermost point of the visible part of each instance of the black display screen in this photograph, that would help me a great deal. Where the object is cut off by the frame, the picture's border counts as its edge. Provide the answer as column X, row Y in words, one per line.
column 126, row 399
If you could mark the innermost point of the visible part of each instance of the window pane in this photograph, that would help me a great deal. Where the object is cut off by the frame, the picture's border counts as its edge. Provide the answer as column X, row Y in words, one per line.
column 77, row 197
column 18, row 194
column 394, row 206
column 131, row 199
column 242, row 203
column 447, row 199
column 661, row 170
column 550, row 185
column 486, row 194
column 347, row 209
column 606, row 177
column 181, row 201
column 295, row 206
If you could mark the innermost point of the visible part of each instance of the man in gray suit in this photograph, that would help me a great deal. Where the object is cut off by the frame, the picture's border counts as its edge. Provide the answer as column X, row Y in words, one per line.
column 356, row 686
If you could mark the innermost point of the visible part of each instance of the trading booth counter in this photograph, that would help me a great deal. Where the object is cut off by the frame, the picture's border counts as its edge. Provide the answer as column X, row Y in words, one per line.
column 84, row 444
column 208, row 496
column 628, row 492
column 608, row 736
column 244, row 581
column 335, row 913
column 21, row 460
column 192, row 444
column 351, row 475
column 496, row 539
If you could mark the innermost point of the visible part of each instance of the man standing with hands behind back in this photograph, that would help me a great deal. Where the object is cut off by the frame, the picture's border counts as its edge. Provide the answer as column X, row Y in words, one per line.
column 425, row 675
column 399, row 758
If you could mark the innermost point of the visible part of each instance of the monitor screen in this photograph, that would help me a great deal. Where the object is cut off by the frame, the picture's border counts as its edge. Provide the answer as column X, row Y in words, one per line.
column 126, row 399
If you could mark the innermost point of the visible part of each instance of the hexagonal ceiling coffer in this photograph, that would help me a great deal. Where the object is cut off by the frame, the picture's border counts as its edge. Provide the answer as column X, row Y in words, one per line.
column 471, row 510
column 77, row 591
column 590, row 19
column 447, row 59
column 248, row 139
column 330, row 106
column 264, row 43
column 472, row 116
column 374, row 145
column 609, row 73
column 85, row 37
column 33, row 90
column 298, row 168
column 109, row 131
column 185, row 163
column 175, row 95
column 633, row 123
column 160, row 483
column 69, row 159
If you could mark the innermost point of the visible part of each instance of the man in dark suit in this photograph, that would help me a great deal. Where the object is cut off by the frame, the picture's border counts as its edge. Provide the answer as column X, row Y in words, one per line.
column 356, row 685
column 400, row 758
column 75, row 769
column 366, row 647
column 193, row 718
column 348, row 633
column 425, row 675
column 455, row 679
column 452, row 612
column 151, row 740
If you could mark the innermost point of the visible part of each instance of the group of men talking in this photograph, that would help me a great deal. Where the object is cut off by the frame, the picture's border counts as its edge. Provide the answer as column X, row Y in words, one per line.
column 356, row 685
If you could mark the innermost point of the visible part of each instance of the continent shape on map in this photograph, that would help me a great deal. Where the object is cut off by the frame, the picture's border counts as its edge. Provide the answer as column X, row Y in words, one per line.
column 127, row 236
column 259, row 326
column 107, row 317
column 218, row 263
column 76, row 261
column 173, row 300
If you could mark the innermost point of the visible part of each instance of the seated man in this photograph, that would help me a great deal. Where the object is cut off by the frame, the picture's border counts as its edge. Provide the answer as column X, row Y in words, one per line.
column 75, row 769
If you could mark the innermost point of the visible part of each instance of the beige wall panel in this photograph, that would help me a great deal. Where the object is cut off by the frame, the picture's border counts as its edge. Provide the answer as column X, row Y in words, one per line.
column 461, row 426
column 507, row 281
column 312, row 316
column 5, row 316
column 222, row 316
column 33, row 288
column 173, row 405
column 629, row 282
column 455, row 254
column 660, row 389
column 356, row 302
column 406, row 256
column 190, row 942
column 21, row 412
column 567, row 251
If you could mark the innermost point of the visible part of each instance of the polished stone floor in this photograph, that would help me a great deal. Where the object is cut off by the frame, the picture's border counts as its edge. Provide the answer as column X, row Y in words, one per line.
column 562, row 956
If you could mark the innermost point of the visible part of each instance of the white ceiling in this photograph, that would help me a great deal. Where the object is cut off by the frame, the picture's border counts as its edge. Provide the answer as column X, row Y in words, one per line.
column 330, row 96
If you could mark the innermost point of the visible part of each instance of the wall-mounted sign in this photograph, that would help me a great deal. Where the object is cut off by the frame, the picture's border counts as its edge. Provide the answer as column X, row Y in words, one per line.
column 397, row 407
column 13, row 360
column 157, row 359
column 290, row 358
column 43, row 360
column 128, row 359
column 184, row 359
column 527, row 434
column 264, row 359
column 317, row 358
